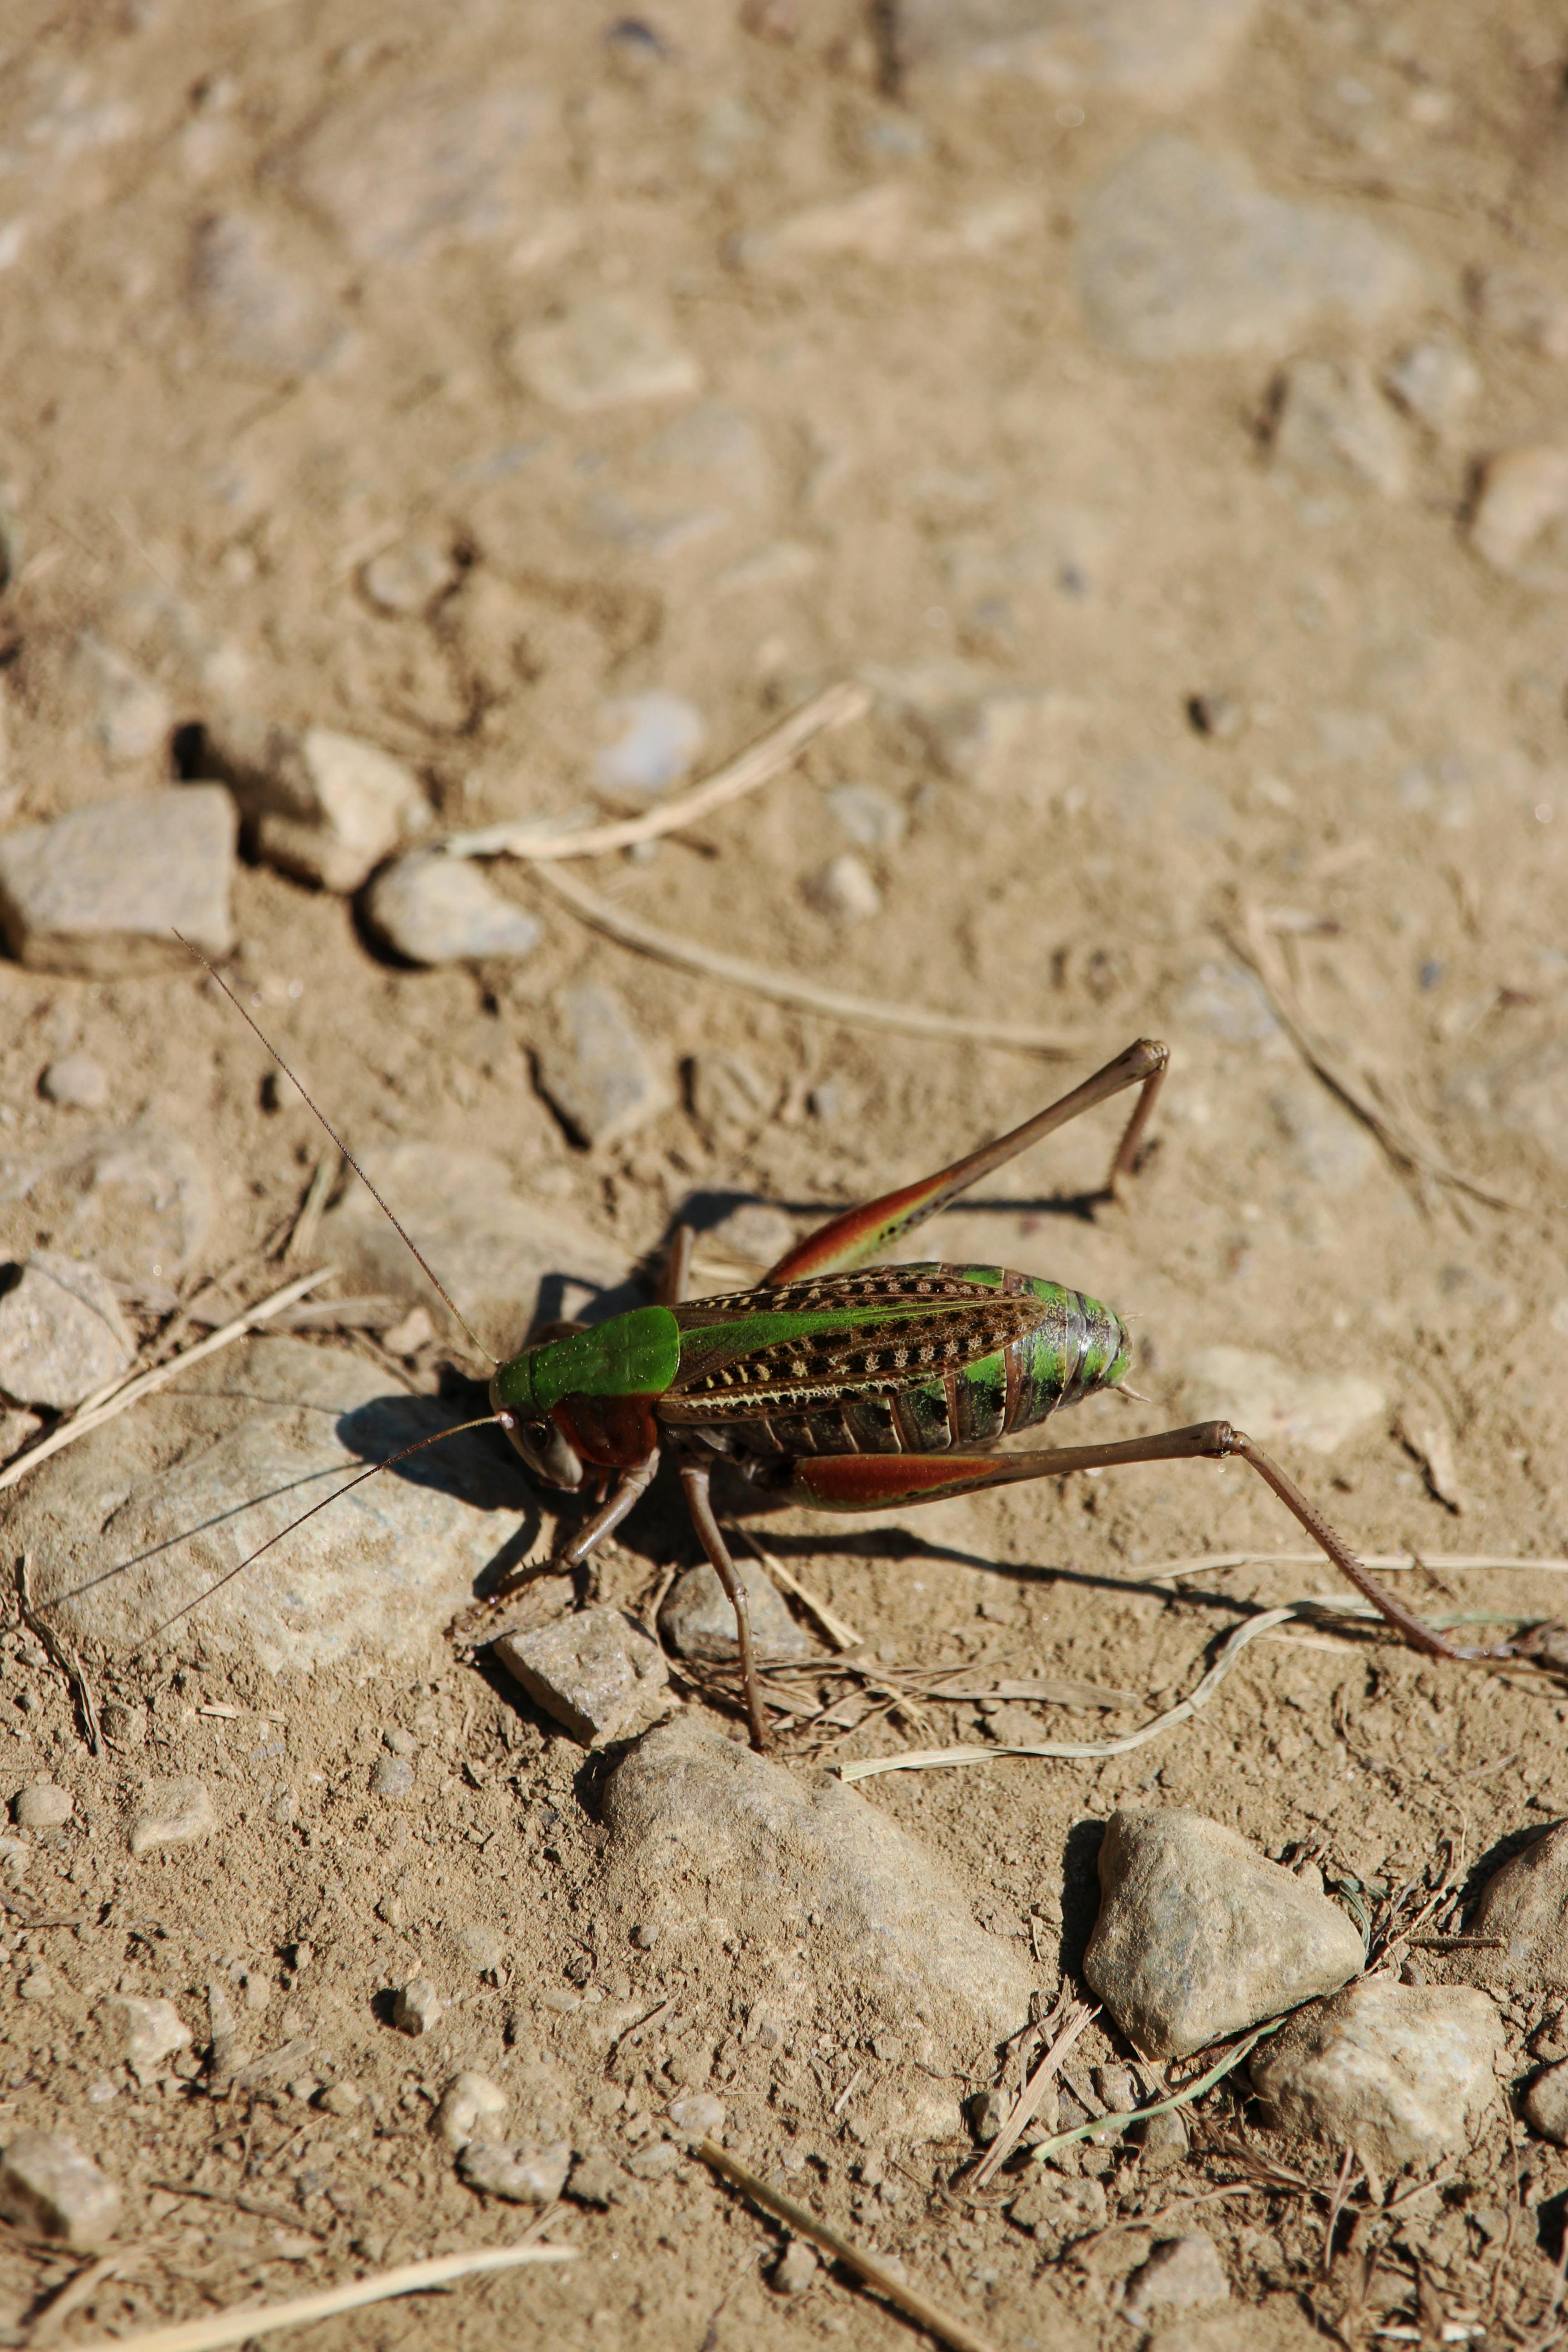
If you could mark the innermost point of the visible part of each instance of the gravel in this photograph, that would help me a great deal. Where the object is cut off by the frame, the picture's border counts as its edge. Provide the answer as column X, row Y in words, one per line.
column 173, row 1813
column 42, row 1806
column 417, row 2007
column 1197, row 1935
column 596, row 1672
column 1181, row 256
column 50, row 2187
column 63, row 1335
column 320, row 805
column 596, row 1069
column 434, row 909
column 1403, row 2073
column 523, row 2175
column 696, row 1616
column 100, row 893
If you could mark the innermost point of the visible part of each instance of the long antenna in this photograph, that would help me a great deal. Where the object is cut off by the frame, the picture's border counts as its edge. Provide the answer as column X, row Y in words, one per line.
column 433, row 1279
column 458, row 1428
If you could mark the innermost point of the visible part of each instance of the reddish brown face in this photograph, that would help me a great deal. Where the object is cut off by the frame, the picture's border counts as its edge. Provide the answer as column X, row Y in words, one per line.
column 612, row 1432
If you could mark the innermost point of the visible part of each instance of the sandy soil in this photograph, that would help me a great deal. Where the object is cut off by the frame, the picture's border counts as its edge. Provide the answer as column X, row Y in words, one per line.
column 885, row 448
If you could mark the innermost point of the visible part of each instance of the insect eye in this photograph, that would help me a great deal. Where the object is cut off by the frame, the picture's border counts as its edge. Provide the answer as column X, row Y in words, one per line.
column 548, row 1453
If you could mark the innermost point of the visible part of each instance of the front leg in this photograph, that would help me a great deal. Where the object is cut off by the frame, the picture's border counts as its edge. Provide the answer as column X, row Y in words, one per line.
column 476, row 1625
column 871, row 1482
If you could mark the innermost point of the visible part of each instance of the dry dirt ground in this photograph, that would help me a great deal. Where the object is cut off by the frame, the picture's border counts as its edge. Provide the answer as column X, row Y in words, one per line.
column 890, row 447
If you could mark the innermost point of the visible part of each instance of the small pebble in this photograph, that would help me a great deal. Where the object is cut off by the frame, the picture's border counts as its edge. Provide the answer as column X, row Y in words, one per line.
column 63, row 1335
column 596, row 1069
column 596, row 1671
column 795, row 2269
column 1331, row 420
column 143, row 2033
column 75, row 1082
column 16, row 1428
column 725, row 1091
column 651, row 741
column 405, row 1338
column 392, row 1776
column 844, row 889
column 1279, row 1405
column 37, row 1985
column 610, row 351
column 987, row 2111
column 417, row 2007
column 469, row 2105
column 1525, row 1904
column 645, row 1938
column 656, row 2161
column 1402, row 2073
column 523, row 2175
column 1523, row 309
column 49, row 2187
column 100, row 892
column 434, row 909
column 264, row 317
column 1545, row 2105
column 341, row 2098
column 698, row 1621
column 175, row 1812
column 484, row 1947
column 399, row 1742
column 1435, row 382
column 756, row 1231
column 324, row 806
column 1055, row 2210
column 1179, row 2273
column 43, row 1806
column 1218, row 715
column 700, row 2115
column 872, row 818
column 1524, row 501
column 408, row 576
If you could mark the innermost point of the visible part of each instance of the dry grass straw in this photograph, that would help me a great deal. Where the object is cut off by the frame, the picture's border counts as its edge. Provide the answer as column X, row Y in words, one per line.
column 1178, row 2098
column 1069, row 2020
column 237, row 2326
column 140, row 1384
column 1441, row 1564
column 945, row 2326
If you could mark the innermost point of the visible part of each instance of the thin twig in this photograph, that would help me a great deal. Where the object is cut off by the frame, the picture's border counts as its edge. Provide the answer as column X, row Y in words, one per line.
column 77, row 2290
column 302, row 1239
column 1078, row 2014
column 920, row 1759
column 237, row 2326
column 783, row 988
column 144, row 1384
column 1183, row 2097
column 1407, row 1154
column 943, row 2325
column 1385, row 1563
column 760, row 760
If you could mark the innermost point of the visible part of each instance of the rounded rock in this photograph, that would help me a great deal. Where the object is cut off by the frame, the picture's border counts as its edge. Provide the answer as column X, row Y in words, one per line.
column 175, row 1812
column 75, row 1082
column 1545, row 2103
column 523, row 2175
column 435, row 910
column 795, row 2269
column 468, row 2104
column 1178, row 2274
column 1403, row 2073
column 417, row 2007
column 63, row 1335
column 43, row 1806
column 392, row 1776
column 844, row 889
column 697, row 1617
column 49, row 2187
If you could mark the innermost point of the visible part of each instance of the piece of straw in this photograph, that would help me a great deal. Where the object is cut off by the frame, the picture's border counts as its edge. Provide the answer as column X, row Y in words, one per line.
column 140, row 1384
column 945, row 2325
column 1441, row 1562
column 1188, row 2091
column 1024, row 2107
column 783, row 988
column 237, row 2326
column 925, row 1759
column 760, row 760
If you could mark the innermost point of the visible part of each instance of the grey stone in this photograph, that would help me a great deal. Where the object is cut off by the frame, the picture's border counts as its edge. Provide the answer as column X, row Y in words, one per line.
column 757, row 1232
column 442, row 163
column 1520, row 525
column 407, row 577
column 49, row 2187
column 875, row 226
column 341, row 2098
column 16, row 1428
column 695, row 1618
column 805, row 1901
column 1332, row 422
column 1434, row 382
column 468, row 2105
column 725, row 1091
column 135, row 1201
column 324, row 806
column 264, row 317
column 42, row 1806
column 128, row 715
column 650, row 741
column 595, row 1068
column 596, row 1672
column 141, row 2033
column 76, row 1082
column 63, row 1335
column 700, row 2115
column 392, row 1776
column 173, row 1813
column 436, row 909
column 1526, row 1904
column 523, row 2175
column 610, row 351
column 1545, row 2103
column 123, row 1532
column 124, row 1726
column 1525, row 1093
column 483, row 1947
column 1180, row 254
column 1161, row 52
column 795, row 2269
column 100, row 892
column 1328, row 1145
column 844, row 889
column 1277, row 1405
column 1227, row 1003
column 1178, row 2274
column 1198, row 1937
column 872, row 818
column 417, row 2007
column 494, row 1249
column 1055, row 2212
column 656, row 2160
column 1403, row 2073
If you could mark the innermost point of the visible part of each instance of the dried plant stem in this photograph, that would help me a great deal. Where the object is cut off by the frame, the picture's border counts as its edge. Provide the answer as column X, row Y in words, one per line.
column 943, row 2325
column 1078, row 2014
column 1183, row 2097
column 223, row 2327
column 302, row 1239
column 142, row 1384
column 924, row 1759
column 760, row 760
column 783, row 988
column 1385, row 1563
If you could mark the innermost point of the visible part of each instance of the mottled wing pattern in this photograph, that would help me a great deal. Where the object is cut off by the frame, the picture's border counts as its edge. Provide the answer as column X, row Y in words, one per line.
column 861, row 1334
